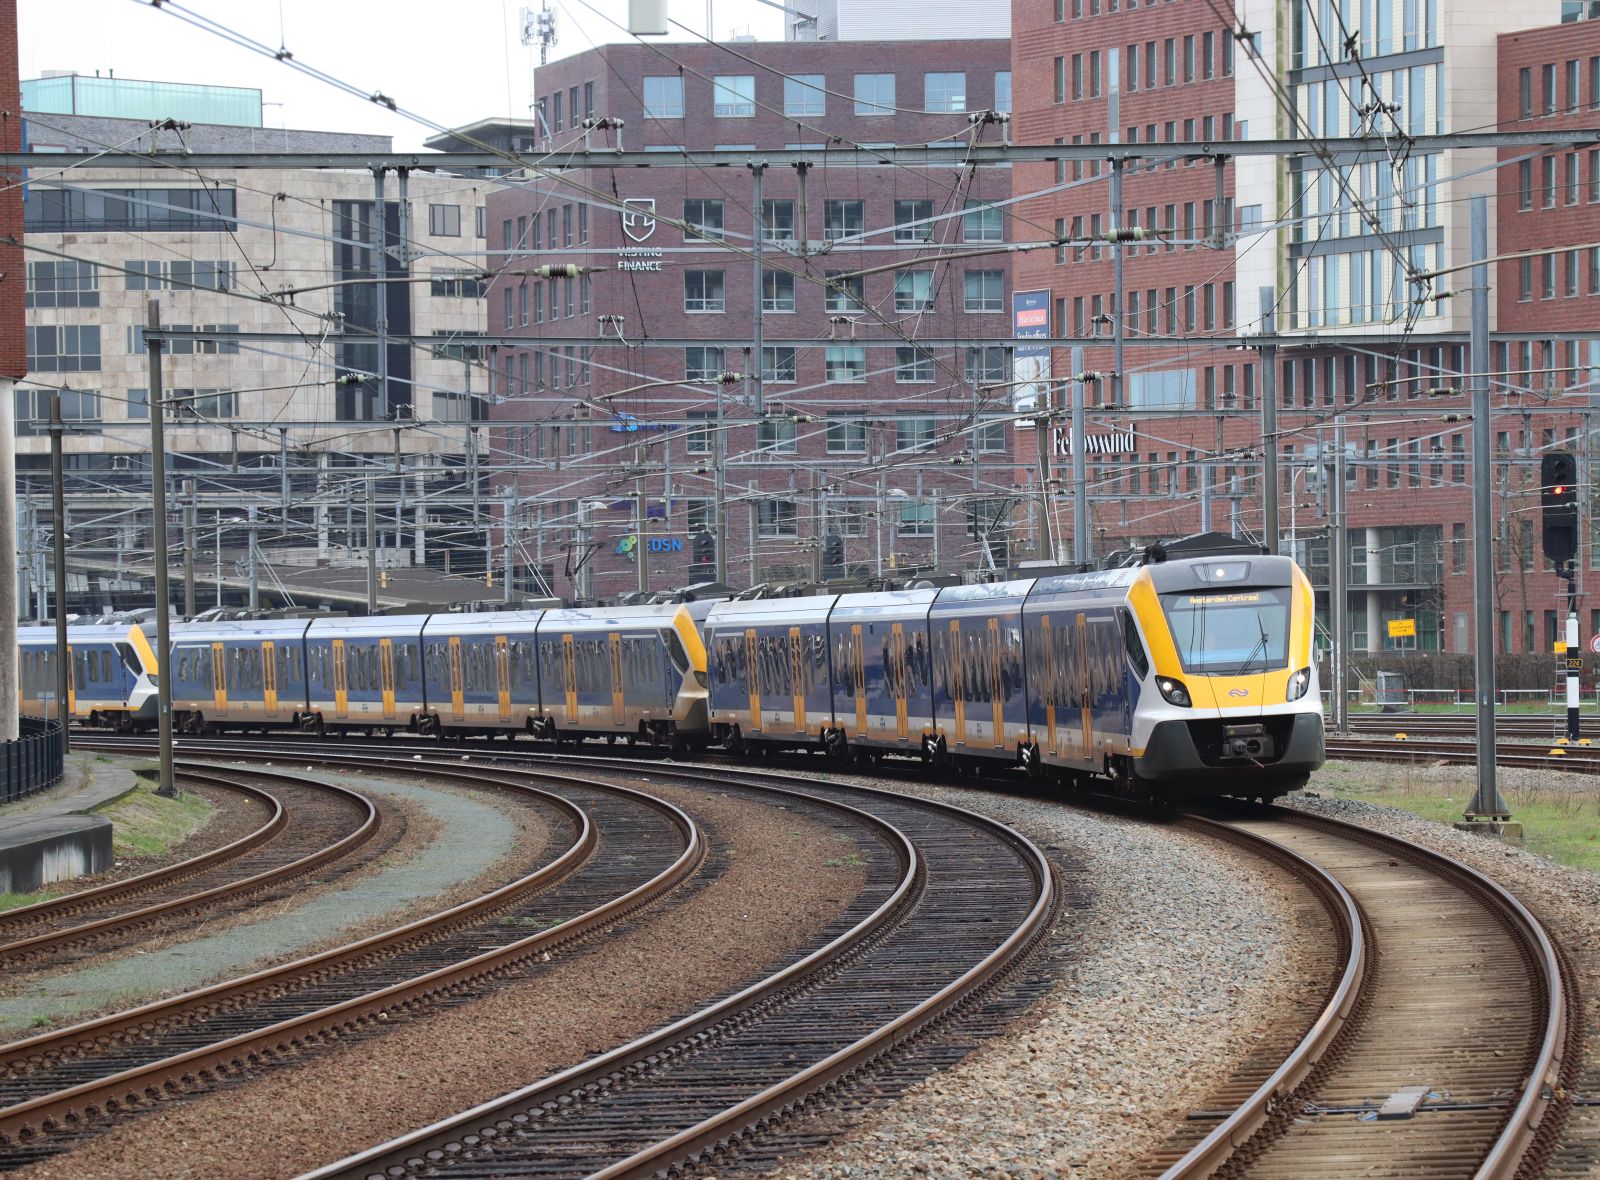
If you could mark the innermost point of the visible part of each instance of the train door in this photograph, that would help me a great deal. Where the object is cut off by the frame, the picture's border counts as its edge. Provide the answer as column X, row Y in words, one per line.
column 897, row 669
column 1085, row 688
column 858, row 677
column 386, row 676
column 502, row 673
column 797, row 677
column 269, row 678
column 569, row 677
column 1047, row 648
column 219, row 678
column 996, row 697
column 72, row 686
column 458, row 698
column 753, row 659
column 341, row 691
column 619, row 714
column 958, row 681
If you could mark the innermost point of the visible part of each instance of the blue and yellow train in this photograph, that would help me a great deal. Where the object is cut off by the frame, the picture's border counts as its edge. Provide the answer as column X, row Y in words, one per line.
column 1173, row 678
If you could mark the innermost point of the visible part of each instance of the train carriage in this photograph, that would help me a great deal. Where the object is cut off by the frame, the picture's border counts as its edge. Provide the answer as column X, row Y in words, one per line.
column 770, row 675
column 364, row 674
column 634, row 672
column 882, row 668
column 1085, row 663
column 979, row 704
column 109, row 675
column 481, row 672
column 238, row 675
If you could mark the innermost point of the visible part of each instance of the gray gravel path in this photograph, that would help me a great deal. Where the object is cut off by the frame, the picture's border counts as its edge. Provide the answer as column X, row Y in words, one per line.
column 474, row 835
column 1176, row 963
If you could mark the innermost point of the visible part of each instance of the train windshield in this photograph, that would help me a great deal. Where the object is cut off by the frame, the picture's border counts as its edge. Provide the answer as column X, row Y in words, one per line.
column 1232, row 633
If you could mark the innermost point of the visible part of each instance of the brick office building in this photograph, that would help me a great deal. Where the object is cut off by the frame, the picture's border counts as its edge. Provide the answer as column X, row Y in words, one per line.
column 1300, row 230
column 854, row 430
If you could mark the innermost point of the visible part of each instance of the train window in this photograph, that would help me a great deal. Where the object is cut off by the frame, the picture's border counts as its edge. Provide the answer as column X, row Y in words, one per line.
column 676, row 650
column 1131, row 642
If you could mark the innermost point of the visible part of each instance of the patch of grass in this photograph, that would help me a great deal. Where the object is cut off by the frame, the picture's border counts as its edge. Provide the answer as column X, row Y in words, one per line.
column 14, row 901
column 852, row 861
column 1561, row 824
column 146, row 824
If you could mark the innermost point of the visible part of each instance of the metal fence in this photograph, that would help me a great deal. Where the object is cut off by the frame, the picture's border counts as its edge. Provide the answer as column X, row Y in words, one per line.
column 32, row 762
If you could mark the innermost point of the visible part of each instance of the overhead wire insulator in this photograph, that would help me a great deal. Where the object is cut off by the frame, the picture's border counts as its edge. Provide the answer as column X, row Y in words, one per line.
column 1132, row 233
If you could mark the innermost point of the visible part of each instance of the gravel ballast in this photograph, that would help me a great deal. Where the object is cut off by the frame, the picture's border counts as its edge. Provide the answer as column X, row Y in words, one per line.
column 772, row 897
column 1174, row 968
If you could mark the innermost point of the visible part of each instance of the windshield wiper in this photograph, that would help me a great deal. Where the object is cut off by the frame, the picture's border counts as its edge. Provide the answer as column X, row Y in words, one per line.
column 1261, row 646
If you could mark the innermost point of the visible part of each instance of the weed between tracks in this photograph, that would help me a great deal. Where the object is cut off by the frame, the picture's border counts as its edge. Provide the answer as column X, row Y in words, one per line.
column 1562, row 823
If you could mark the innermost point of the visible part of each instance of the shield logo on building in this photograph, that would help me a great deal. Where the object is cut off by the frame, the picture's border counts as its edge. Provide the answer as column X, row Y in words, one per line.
column 639, row 217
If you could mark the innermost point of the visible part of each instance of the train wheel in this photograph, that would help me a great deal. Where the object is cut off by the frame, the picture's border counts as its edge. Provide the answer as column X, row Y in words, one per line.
column 611, row 739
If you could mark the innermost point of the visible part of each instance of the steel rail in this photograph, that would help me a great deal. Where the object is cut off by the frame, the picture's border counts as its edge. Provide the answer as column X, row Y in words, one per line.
column 1226, row 1137
column 70, row 1107
column 415, row 1149
column 1527, row 1119
column 87, row 898
column 369, row 826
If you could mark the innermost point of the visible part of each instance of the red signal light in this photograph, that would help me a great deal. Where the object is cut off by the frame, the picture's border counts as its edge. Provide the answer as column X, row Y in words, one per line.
column 1558, row 490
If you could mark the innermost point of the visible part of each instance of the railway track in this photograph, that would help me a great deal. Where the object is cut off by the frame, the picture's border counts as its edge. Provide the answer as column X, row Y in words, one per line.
column 1442, row 1045
column 967, row 899
column 62, row 1083
column 1580, row 759
column 309, row 825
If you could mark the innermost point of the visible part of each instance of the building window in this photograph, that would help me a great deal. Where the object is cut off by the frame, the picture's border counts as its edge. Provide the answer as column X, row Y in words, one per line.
column 779, row 365
column 874, row 94
column 912, row 364
column 841, row 219
column 847, row 433
column 916, row 518
column 81, row 210
column 987, row 364
column 703, row 291
column 982, row 222
column 777, row 290
column 1547, row 181
column 1002, row 91
column 733, row 96
column 62, row 283
column 1525, row 185
column 913, row 290
column 845, row 363
column 776, row 436
column 201, row 404
column 700, row 432
column 1547, row 89
column 64, row 348
column 985, row 290
column 944, row 93
column 845, row 292
column 914, row 432
column 805, row 94
column 776, row 518
column 1060, row 92
column 444, row 221
column 912, row 221
column 1547, row 276
column 77, row 405
column 777, row 220
column 991, row 436
column 663, row 97
column 702, row 362
column 703, row 218
column 456, row 284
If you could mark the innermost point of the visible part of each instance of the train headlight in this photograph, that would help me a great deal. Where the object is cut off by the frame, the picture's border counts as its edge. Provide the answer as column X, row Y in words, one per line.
column 1298, row 683
column 1174, row 691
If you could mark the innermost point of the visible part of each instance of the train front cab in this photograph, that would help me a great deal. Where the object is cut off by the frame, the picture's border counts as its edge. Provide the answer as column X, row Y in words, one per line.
column 769, row 680
column 110, row 675
column 481, row 673
column 364, row 674
column 1235, row 706
column 882, row 671
column 979, row 702
column 630, row 672
column 248, row 674
column 1083, row 660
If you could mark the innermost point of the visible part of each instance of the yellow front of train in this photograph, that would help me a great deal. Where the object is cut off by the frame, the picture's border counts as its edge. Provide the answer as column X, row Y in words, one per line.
column 1230, row 704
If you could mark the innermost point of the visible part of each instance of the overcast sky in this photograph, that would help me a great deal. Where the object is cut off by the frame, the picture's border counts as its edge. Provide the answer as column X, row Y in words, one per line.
column 451, row 63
